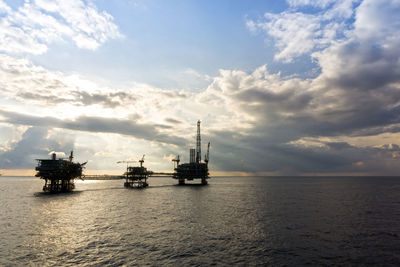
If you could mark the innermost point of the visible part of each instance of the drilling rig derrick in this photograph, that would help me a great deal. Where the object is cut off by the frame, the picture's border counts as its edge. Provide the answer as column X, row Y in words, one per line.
column 195, row 169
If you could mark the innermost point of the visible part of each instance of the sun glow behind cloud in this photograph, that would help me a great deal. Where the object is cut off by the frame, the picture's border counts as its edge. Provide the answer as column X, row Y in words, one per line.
column 343, row 119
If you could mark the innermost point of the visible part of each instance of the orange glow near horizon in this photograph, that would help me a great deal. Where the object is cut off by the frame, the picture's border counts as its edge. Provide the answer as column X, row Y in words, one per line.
column 18, row 172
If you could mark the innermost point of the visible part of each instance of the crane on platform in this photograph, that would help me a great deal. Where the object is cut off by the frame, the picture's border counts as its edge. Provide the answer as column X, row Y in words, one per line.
column 177, row 160
column 141, row 161
column 207, row 155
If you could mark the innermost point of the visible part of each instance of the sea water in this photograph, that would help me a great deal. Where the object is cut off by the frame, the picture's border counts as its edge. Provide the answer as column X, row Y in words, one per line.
column 290, row 221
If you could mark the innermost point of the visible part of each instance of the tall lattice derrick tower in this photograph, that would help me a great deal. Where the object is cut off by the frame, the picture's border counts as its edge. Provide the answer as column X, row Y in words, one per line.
column 198, row 143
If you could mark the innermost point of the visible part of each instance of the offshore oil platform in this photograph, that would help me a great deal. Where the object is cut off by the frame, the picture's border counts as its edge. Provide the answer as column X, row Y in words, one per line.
column 136, row 177
column 59, row 174
column 195, row 169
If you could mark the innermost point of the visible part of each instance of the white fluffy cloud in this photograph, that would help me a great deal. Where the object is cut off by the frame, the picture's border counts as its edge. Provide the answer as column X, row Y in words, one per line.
column 297, row 33
column 35, row 24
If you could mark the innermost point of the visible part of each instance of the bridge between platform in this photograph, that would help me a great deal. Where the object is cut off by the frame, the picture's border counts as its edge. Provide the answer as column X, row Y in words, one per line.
column 119, row 177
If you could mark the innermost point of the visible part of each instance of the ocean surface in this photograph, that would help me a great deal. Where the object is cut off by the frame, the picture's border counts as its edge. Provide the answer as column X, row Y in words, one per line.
column 240, row 221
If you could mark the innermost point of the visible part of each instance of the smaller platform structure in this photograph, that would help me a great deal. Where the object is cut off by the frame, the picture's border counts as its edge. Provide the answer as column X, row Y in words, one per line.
column 59, row 174
column 136, row 177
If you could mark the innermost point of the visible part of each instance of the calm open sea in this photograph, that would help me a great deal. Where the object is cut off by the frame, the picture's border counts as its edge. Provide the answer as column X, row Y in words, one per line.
column 233, row 221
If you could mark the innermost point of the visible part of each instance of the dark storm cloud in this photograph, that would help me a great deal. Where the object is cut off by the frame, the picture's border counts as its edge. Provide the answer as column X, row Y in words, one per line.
column 95, row 124
column 267, row 147
column 338, row 145
column 257, row 154
column 289, row 99
column 365, row 66
column 361, row 121
column 34, row 144
column 302, row 112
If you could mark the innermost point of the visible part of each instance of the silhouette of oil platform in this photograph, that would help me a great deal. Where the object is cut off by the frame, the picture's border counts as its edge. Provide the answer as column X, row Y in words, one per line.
column 136, row 177
column 195, row 169
column 59, row 174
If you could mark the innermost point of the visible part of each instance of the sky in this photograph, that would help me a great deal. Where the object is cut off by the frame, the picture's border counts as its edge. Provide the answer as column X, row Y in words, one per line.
column 293, row 87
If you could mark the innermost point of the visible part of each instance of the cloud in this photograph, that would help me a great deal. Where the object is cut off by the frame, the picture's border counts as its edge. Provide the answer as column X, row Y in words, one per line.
column 356, row 93
column 35, row 142
column 377, row 19
column 255, row 154
column 282, row 110
column 297, row 33
column 81, row 98
column 95, row 124
column 362, row 72
column 73, row 102
column 22, row 80
column 173, row 121
column 357, row 89
column 36, row 24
